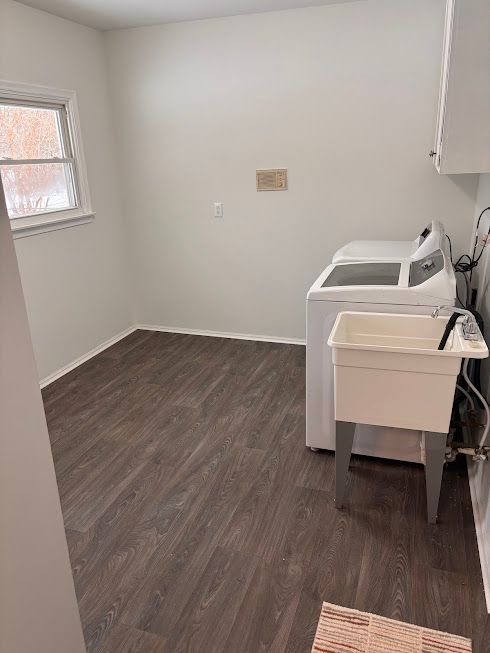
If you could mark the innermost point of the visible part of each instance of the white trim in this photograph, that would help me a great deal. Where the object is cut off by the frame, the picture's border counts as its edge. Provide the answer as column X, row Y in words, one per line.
column 146, row 327
column 44, row 226
column 480, row 536
column 83, row 213
column 222, row 334
column 53, row 159
column 79, row 361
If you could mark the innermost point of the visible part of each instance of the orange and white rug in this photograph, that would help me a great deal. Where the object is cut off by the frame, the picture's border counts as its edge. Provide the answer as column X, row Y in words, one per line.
column 342, row 630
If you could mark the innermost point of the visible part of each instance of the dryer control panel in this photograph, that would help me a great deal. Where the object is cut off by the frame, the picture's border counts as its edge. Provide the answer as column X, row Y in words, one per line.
column 426, row 268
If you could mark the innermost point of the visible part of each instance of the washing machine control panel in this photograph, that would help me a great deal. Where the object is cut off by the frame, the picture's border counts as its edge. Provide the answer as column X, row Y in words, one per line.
column 428, row 264
column 426, row 268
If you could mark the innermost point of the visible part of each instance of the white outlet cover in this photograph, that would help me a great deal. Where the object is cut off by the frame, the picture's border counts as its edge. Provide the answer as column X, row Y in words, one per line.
column 218, row 209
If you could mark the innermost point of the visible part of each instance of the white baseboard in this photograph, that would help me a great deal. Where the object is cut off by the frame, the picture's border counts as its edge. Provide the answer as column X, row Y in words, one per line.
column 483, row 545
column 147, row 327
column 93, row 352
column 223, row 334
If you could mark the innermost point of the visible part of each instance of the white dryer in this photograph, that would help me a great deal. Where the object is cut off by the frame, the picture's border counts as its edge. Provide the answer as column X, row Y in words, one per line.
column 432, row 238
column 383, row 287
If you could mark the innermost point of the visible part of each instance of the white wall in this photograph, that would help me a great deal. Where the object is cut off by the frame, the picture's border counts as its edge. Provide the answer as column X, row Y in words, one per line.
column 345, row 96
column 482, row 272
column 480, row 472
column 75, row 279
column 38, row 608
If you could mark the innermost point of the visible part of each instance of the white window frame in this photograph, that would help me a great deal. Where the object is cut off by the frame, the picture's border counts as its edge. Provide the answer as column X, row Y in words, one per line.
column 82, row 213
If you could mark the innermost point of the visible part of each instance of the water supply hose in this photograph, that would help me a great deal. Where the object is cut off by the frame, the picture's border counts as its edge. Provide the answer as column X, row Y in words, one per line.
column 467, row 395
column 480, row 397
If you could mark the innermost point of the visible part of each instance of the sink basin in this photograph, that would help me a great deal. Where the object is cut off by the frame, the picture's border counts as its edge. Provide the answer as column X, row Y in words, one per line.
column 411, row 334
column 389, row 372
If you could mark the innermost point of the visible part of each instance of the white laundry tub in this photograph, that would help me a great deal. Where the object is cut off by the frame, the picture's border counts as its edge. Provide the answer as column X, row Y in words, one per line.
column 389, row 372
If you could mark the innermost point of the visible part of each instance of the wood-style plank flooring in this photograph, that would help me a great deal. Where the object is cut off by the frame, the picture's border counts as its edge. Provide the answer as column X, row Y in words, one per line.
column 197, row 520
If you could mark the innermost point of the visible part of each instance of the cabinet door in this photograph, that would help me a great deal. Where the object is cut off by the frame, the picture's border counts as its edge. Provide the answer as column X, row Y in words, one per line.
column 463, row 129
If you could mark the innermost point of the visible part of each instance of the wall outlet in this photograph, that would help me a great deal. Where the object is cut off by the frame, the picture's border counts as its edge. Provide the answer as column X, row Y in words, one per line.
column 218, row 209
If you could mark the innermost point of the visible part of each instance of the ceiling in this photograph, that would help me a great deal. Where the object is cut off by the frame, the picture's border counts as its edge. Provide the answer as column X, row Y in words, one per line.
column 114, row 14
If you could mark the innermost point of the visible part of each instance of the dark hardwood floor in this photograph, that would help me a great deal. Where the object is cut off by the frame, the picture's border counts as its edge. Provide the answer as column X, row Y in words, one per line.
column 198, row 521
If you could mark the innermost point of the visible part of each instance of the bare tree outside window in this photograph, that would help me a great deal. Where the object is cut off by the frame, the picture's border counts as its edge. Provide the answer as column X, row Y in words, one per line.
column 36, row 161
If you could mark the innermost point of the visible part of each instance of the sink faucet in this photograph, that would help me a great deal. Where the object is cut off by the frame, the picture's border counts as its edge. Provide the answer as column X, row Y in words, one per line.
column 470, row 326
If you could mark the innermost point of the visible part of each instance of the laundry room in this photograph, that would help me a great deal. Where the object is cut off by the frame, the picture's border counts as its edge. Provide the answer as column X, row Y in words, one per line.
column 244, row 286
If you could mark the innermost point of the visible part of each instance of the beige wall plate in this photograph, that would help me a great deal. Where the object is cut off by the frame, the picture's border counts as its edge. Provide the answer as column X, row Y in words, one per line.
column 273, row 179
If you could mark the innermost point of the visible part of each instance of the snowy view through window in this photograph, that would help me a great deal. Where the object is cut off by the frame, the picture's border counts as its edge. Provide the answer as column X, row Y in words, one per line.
column 45, row 185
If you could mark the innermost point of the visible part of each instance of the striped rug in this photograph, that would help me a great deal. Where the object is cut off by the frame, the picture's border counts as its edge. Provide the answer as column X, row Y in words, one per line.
column 342, row 630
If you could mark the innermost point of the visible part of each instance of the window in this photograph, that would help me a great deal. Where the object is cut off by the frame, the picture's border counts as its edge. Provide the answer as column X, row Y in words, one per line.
column 41, row 162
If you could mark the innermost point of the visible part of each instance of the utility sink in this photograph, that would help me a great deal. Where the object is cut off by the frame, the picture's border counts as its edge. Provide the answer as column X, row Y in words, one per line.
column 389, row 372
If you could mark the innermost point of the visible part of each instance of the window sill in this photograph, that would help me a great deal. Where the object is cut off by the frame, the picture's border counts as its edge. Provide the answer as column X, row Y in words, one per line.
column 22, row 227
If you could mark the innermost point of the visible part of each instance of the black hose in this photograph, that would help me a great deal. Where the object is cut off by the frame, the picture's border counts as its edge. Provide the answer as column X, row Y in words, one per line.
column 449, row 327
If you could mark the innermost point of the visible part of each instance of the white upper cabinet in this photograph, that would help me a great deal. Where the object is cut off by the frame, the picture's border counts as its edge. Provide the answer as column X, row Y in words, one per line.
column 463, row 128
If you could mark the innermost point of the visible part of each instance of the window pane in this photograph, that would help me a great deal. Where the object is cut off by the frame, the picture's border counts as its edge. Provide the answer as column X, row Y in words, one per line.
column 38, row 188
column 29, row 133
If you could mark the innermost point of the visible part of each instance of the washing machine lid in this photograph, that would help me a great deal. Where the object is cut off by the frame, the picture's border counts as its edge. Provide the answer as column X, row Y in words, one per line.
column 428, row 241
column 427, row 282
column 364, row 274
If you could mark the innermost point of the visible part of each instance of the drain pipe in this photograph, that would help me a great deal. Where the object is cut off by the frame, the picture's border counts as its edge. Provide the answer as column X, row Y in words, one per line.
column 483, row 440
column 482, row 451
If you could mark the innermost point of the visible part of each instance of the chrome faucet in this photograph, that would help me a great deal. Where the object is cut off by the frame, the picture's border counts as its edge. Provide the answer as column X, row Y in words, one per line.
column 470, row 326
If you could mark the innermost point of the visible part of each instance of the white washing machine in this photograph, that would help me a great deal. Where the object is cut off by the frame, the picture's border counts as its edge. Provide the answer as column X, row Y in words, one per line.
column 432, row 238
column 383, row 287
